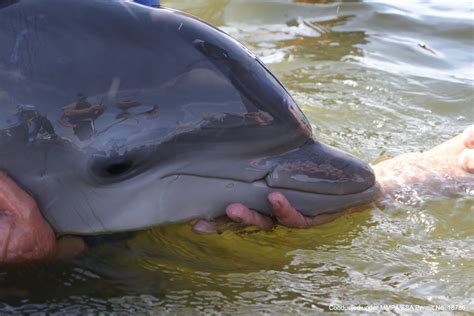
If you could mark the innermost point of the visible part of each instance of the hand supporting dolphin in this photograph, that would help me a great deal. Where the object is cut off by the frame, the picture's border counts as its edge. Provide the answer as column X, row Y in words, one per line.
column 448, row 168
column 128, row 106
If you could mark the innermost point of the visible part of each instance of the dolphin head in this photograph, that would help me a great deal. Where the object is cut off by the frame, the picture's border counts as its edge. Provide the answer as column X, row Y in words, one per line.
column 147, row 116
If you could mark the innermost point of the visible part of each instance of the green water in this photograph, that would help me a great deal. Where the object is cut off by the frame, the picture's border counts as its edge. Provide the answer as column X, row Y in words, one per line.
column 376, row 80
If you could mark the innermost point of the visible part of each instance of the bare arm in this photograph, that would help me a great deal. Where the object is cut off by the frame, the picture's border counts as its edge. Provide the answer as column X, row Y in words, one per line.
column 445, row 169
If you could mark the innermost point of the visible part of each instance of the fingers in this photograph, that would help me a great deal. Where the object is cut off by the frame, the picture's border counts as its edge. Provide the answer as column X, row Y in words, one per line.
column 286, row 214
column 237, row 213
column 466, row 160
column 216, row 225
column 13, row 200
column 468, row 137
column 24, row 234
column 241, row 214
column 205, row 227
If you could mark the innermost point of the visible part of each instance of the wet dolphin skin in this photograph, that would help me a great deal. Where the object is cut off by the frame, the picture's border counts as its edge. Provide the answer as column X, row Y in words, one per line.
column 117, row 116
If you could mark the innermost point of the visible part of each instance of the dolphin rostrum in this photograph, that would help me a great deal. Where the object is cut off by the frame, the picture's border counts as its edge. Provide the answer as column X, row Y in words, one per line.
column 116, row 116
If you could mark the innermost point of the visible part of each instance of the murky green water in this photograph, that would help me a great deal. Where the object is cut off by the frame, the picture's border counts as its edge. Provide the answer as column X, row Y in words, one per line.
column 375, row 79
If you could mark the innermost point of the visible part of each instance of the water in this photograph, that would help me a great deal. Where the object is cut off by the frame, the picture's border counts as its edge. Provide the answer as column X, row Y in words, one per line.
column 376, row 79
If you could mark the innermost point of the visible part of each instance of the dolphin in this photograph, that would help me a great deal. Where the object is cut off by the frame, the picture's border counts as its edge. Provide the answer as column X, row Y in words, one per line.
column 115, row 116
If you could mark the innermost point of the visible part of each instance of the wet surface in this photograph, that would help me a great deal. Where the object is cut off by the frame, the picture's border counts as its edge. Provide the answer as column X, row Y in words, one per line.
column 84, row 130
column 375, row 80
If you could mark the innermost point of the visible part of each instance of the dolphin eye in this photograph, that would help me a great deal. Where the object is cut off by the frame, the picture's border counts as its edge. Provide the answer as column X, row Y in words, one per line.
column 113, row 169
column 119, row 168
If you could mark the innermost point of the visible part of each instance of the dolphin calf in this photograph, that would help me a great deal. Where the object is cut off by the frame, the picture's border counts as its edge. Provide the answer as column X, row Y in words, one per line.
column 115, row 116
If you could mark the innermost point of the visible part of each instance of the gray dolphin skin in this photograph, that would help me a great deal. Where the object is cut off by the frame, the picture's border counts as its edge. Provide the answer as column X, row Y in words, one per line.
column 115, row 116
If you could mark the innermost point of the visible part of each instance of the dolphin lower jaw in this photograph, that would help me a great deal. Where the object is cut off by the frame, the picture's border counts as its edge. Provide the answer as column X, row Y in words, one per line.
column 178, row 198
column 315, row 178
column 214, row 194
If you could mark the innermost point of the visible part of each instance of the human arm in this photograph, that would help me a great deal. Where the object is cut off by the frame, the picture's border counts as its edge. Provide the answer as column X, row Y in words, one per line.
column 445, row 169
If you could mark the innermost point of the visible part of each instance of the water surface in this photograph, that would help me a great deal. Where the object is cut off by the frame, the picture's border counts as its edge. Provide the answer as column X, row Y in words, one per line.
column 375, row 79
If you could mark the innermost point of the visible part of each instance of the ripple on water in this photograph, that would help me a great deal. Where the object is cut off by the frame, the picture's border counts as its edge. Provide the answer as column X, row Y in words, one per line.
column 376, row 80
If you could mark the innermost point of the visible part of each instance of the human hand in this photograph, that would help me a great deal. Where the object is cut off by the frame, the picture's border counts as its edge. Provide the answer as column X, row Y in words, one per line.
column 466, row 157
column 25, row 235
column 284, row 214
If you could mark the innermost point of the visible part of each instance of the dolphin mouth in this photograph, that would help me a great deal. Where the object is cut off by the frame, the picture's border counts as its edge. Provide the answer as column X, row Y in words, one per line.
column 322, row 169
column 316, row 178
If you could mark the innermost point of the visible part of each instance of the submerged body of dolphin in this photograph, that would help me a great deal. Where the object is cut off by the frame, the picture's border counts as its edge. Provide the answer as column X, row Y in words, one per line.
column 116, row 116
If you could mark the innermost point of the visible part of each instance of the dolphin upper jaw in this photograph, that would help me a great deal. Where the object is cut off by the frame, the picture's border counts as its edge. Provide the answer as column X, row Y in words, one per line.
column 332, row 179
column 313, row 168
column 322, row 169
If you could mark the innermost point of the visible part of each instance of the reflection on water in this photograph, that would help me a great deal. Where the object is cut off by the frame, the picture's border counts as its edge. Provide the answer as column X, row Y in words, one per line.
column 369, row 85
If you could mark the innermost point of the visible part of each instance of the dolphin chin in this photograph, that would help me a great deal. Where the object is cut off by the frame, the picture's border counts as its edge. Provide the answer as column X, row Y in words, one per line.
column 179, row 198
column 203, row 191
column 117, row 116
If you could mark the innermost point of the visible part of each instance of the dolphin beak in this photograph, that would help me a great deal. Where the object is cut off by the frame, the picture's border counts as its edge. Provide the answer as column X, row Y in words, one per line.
column 319, row 168
column 315, row 178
